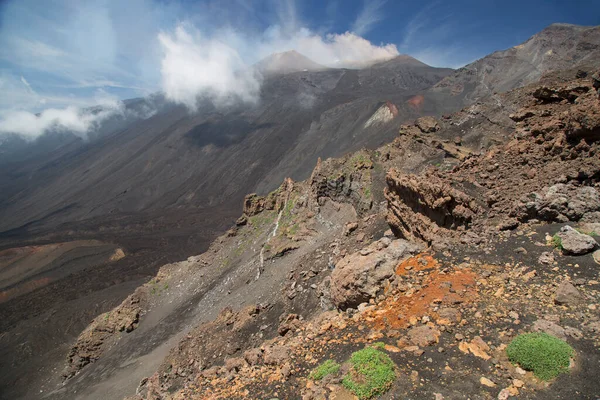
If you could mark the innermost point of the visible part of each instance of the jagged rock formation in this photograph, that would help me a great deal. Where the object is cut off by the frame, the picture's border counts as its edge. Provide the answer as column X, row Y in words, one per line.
column 348, row 178
column 536, row 175
column 427, row 124
column 426, row 207
column 102, row 332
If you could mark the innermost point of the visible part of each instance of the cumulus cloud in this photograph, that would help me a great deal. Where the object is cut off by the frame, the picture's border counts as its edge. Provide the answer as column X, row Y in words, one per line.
column 195, row 66
column 345, row 50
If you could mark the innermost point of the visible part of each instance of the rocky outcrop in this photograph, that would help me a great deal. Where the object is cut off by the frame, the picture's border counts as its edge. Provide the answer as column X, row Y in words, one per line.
column 426, row 207
column 346, row 179
column 427, row 124
column 358, row 277
column 255, row 204
column 97, row 337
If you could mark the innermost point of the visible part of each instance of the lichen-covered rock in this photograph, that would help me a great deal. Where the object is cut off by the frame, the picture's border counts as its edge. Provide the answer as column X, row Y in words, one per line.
column 359, row 276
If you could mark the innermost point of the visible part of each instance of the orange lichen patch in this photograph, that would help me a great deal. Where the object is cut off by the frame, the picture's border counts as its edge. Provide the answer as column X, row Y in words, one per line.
column 396, row 312
column 24, row 288
column 420, row 262
column 416, row 101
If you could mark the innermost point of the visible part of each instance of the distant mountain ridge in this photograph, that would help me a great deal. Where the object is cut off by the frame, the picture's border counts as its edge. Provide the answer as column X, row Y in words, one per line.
column 557, row 47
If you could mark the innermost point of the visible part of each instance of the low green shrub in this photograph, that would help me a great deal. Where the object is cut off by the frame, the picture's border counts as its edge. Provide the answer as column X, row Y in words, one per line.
column 326, row 368
column 545, row 355
column 557, row 242
column 371, row 374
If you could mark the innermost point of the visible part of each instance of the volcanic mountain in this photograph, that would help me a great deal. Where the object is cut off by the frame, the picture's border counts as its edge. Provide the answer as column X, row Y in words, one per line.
column 287, row 62
column 161, row 187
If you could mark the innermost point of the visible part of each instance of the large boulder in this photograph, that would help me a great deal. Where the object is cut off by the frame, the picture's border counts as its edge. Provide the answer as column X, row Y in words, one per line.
column 359, row 276
column 424, row 335
column 574, row 242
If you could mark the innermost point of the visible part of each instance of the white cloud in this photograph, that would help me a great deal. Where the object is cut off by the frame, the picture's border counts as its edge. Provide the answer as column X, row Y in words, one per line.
column 71, row 119
column 76, row 116
column 342, row 50
column 194, row 65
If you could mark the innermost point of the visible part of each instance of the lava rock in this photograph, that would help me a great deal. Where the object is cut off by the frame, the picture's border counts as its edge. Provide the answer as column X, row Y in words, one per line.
column 567, row 294
column 427, row 124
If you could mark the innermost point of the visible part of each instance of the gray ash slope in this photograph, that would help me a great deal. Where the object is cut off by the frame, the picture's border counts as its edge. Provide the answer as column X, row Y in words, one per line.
column 177, row 159
column 557, row 47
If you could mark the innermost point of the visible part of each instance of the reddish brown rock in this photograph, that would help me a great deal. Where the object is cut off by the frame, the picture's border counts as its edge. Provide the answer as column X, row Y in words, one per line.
column 276, row 355
column 424, row 335
column 427, row 124
column 359, row 276
column 426, row 207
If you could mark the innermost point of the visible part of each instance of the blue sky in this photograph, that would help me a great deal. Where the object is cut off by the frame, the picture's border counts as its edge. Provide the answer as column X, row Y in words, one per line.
column 71, row 53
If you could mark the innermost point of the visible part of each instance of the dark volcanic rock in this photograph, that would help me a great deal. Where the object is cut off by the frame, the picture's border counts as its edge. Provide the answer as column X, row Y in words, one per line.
column 562, row 203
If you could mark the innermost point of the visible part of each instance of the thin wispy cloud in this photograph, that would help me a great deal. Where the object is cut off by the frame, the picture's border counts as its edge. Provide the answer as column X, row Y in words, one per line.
column 369, row 16
column 428, row 36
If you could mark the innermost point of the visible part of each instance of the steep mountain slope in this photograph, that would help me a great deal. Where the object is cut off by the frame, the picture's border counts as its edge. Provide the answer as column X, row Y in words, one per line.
column 175, row 159
column 163, row 188
column 311, row 272
column 557, row 47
